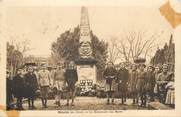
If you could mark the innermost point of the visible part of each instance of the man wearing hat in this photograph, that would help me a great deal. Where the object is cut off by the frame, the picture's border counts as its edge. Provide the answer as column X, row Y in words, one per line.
column 44, row 83
column 162, row 81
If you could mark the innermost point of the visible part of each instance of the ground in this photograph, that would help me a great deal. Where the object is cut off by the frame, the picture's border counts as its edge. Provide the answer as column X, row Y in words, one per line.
column 87, row 103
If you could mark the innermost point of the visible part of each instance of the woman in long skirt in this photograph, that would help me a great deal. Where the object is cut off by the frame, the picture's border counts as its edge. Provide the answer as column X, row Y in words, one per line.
column 170, row 98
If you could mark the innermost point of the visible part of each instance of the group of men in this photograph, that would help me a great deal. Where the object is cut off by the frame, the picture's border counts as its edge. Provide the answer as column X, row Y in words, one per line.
column 139, row 83
column 26, row 85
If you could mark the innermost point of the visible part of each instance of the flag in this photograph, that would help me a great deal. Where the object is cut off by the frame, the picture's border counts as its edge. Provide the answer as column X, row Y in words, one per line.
column 171, row 16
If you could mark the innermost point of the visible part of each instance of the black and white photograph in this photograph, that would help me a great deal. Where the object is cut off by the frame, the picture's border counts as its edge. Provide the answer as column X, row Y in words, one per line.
column 92, row 57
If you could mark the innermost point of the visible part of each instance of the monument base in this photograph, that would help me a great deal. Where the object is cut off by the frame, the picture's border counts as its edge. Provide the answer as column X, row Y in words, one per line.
column 87, row 73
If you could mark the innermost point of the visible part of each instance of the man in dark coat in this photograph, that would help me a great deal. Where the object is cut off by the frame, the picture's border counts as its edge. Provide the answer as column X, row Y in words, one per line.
column 9, row 91
column 150, row 82
column 31, row 86
column 132, row 82
column 18, row 88
column 110, row 75
column 122, row 80
column 141, row 83
column 71, row 77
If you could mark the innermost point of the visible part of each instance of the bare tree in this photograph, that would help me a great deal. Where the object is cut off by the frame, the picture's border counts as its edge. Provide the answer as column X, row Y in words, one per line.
column 114, row 54
column 23, row 45
column 135, row 44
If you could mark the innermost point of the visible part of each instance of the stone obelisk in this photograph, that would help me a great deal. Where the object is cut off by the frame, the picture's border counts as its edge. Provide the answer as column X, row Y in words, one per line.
column 85, row 50
column 86, row 64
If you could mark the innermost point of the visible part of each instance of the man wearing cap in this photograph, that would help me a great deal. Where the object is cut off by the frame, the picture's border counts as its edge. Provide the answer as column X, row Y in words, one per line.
column 44, row 83
column 110, row 75
column 162, row 81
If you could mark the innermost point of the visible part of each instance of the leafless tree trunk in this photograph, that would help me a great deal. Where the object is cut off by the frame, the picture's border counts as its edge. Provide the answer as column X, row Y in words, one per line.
column 114, row 54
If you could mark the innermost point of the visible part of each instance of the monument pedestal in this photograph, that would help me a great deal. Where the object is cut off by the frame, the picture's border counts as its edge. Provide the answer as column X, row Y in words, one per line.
column 87, row 73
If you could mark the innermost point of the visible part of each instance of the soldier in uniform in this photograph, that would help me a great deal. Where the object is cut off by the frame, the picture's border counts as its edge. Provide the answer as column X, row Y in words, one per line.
column 162, row 82
column 110, row 75
column 122, row 80
column 132, row 81
column 141, row 84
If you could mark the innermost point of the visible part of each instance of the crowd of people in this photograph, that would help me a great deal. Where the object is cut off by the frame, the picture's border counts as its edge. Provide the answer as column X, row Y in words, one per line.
column 141, row 83
column 25, row 85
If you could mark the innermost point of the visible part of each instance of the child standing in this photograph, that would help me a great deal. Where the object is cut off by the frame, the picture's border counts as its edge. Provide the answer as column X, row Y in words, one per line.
column 31, row 87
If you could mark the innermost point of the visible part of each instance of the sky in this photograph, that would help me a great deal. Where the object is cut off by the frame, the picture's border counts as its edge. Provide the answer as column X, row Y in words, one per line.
column 43, row 24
